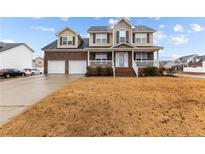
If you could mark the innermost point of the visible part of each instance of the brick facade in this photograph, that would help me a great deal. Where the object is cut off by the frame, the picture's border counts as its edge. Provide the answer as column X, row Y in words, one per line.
column 63, row 56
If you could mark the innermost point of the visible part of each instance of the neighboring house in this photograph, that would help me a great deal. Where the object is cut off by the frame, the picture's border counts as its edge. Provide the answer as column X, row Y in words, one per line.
column 196, row 66
column 185, row 60
column 167, row 64
column 124, row 47
column 15, row 55
column 197, row 61
column 38, row 62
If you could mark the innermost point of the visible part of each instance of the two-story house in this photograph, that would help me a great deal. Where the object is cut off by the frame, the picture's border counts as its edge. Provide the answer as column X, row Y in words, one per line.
column 123, row 46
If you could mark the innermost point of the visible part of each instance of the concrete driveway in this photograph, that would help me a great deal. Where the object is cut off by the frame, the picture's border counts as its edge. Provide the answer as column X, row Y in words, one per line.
column 18, row 94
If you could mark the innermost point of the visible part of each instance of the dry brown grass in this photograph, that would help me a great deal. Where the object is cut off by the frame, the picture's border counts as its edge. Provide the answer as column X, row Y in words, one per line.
column 155, row 106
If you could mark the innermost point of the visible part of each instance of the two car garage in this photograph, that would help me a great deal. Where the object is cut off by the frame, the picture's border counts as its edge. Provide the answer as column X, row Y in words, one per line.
column 74, row 67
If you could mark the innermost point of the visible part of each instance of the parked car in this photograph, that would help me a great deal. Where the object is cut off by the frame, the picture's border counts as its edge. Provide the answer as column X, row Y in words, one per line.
column 30, row 71
column 7, row 73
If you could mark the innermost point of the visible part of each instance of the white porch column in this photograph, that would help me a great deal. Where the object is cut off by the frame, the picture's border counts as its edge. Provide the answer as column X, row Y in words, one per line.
column 112, row 58
column 158, row 59
column 132, row 58
column 88, row 58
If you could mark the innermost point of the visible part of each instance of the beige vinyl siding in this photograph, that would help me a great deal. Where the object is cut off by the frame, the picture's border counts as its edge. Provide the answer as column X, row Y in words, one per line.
column 68, row 33
column 99, row 44
column 120, row 25
column 144, row 44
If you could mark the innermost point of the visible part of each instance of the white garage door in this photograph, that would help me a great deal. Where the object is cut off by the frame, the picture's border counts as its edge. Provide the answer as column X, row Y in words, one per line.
column 56, row 67
column 77, row 66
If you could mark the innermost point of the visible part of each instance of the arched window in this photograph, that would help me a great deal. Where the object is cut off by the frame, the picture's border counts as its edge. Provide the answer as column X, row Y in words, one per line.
column 122, row 35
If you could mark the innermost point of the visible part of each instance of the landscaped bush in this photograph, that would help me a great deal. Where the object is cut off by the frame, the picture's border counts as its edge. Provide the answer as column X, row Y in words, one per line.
column 91, row 71
column 109, row 71
column 99, row 71
column 162, row 70
column 170, row 71
column 151, row 71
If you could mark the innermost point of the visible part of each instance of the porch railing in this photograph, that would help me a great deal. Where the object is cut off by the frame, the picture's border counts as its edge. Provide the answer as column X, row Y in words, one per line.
column 101, row 63
column 135, row 68
column 145, row 63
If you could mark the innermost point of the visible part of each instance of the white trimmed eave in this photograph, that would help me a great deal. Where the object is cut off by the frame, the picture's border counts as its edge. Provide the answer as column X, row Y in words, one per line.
column 64, row 50
column 123, row 44
column 124, row 49
column 122, row 18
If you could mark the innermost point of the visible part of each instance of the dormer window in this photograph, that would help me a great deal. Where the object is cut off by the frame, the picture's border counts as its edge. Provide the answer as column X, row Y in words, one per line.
column 101, row 38
column 67, row 40
column 122, row 35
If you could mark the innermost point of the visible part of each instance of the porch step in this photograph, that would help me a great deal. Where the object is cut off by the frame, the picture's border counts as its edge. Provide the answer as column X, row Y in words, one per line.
column 124, row 72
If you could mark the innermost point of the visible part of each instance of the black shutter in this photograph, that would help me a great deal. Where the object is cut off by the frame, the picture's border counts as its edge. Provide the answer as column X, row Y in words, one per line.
column 73, row 40
column 93, row 38
column 127, row 36
column 61, row 41
column 117, row 37
column 133, row 37
column 148, row 38
column 108, row 38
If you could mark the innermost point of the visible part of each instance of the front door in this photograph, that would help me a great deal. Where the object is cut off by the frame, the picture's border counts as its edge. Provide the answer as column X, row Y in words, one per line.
column 121, row 59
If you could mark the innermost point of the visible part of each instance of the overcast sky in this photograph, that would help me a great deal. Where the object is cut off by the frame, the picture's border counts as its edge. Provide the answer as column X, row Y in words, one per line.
column 178, row 36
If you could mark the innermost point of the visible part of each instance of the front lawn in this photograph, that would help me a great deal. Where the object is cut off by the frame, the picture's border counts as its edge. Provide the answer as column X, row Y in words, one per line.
column 151, row 106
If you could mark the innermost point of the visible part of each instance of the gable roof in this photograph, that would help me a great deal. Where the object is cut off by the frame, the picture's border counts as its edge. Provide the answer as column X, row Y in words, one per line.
column 142, row 28
column 99, row 29
column 184, row 59
column 123, row 44
column 53, row 45
column 6, row 46
column 202, row 58
column 122, row 19
column 68, row 28
column 38, row 58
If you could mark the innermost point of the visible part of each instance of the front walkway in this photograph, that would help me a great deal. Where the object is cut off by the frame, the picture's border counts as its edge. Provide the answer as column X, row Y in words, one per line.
column 19, row 94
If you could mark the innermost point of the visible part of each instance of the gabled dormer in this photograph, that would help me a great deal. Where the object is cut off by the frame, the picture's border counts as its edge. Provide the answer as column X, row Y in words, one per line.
column 122, row 31
column 67, row 38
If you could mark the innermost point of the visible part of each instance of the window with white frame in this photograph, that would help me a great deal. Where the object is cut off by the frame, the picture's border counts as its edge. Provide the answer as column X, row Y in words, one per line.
column 141, row 38
column 122, row 35
column 101, row 38
column 67, row 40
column 101, row 57
column 141, row 56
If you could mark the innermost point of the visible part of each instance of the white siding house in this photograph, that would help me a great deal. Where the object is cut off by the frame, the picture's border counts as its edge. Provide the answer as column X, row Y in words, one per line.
column 15, row 55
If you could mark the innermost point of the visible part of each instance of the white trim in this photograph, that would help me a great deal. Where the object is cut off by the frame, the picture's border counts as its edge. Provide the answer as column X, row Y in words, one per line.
column 88, row 58
column 113, row 37
column 101, row 37
column 122, row 18
column 122, row 28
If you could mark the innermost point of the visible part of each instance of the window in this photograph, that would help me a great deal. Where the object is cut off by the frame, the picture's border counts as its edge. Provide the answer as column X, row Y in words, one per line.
column 68, row 40
column 101, row 57
column 141, row 56
column 101, row 38
column 122, row 35
column 141, row 38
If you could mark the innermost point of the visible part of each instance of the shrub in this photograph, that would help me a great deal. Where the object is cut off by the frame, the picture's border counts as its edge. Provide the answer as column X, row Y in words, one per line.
column 103, row 71
column 99, row 71
column 109, row 71
column 162, row 70
column 151, row 71
column 91, row 71
column 170, row 71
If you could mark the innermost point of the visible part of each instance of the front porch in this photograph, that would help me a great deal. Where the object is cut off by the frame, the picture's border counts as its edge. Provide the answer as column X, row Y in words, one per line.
column 127, row 59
